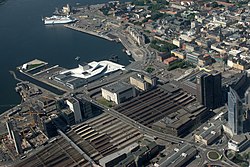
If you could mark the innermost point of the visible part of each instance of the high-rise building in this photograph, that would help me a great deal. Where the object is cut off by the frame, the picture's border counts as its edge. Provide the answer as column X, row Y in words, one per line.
column 86, row 108
column 247, row 98
column 235, row 112
column 209, row 91
column 74, row 106
column 49, row 127
column 247, row 104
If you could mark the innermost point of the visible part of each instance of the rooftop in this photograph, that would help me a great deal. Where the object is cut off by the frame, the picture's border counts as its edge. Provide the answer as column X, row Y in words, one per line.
column 118, row 87
column 94, row 68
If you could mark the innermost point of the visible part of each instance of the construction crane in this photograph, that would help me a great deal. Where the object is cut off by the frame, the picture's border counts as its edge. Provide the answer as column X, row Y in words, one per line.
column 19, row 118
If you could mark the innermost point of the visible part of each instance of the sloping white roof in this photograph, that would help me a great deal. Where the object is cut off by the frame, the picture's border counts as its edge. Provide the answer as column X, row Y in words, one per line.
column 94, row 68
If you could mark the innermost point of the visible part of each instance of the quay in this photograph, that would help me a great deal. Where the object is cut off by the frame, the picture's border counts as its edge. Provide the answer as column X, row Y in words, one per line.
column 49, row 87
column 88, row 32
column 136, row 52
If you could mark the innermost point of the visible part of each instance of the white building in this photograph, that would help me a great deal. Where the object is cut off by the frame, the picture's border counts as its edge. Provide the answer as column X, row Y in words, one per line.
column 74, row 106
column 239, row 143
column 94, row 69
column 118, row 92
column 85, row 73
column 143, row 81
column 137, row 36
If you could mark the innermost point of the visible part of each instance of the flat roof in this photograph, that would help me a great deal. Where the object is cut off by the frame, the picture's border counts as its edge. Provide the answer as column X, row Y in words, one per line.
column 118, row 87
column 170, row 87
column 72, row 100
column 175, row 156
column 111, row 157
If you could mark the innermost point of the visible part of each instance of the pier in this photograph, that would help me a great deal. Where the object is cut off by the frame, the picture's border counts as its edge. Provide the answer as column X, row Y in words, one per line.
column 89, row 32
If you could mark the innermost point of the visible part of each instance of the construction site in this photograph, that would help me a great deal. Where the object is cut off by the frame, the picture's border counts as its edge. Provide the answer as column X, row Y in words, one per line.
column 97, row 138
column 24, row 123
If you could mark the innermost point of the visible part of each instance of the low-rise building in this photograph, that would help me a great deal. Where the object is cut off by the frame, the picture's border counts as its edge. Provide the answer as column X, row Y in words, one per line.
column 179, row 53
column 143, row 81
column 134, row 155
column 187, row 38
column 208, row 134
column 180, row 122
column 202, row 42
column 204, row 60
column 118, row 92
column 219, row 48
column 137, row 36
column 193, row 57
column 238, row 63
column 239, row 142
column 178, row 157
column 170, row 60
column 161, row 56
column 178, row 42
column 190, row 47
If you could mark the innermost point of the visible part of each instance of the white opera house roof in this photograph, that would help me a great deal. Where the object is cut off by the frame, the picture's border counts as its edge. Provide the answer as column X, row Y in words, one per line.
column 85, row 73
column 94, row 68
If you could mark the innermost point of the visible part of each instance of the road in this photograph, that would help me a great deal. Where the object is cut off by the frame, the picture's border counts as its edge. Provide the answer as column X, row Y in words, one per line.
column 165, row 137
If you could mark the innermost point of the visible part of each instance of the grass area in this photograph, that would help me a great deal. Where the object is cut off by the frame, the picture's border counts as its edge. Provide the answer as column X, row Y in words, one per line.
column 162, row 46
column 230, row 155
column 240, row 160
column 213, row 155
column 150, row 70
column 105, row 102
column 180, row 64
column 31, row 66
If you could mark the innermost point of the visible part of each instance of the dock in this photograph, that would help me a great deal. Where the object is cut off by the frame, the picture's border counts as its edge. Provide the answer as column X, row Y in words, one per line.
column 88, row 32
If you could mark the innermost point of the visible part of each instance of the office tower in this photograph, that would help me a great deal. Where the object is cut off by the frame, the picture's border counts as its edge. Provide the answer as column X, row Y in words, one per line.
column 247, row 98
column 49, row 127
column 74, row 106
column 235, row 112
column 86, row 108
column 209, row 91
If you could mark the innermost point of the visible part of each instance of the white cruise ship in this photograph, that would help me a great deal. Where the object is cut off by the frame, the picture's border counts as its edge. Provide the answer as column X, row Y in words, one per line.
column 58, row 20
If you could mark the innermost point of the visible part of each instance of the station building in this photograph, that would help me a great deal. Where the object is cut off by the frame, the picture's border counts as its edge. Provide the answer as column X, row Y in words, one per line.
column 118, row 92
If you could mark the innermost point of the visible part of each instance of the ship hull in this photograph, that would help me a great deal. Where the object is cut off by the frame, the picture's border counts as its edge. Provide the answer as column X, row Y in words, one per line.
column 48, row 21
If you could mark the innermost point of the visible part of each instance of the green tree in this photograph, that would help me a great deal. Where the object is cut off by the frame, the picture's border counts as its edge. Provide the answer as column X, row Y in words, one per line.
column 155, row 16
column 214, row 4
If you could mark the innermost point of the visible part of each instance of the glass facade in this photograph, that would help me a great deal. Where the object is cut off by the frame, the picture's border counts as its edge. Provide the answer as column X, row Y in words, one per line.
column 235, row 112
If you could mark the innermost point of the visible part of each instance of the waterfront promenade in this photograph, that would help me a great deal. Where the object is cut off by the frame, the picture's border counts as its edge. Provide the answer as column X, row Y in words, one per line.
column 136, row 51
column 88, row 32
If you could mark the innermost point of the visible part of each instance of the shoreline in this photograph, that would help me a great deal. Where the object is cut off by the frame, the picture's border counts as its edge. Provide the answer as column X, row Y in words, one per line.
column 60, row 91
column 88, row 32
column 134, row 56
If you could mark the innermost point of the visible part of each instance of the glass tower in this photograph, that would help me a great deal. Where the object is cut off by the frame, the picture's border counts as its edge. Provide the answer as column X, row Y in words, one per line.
column 235, row 112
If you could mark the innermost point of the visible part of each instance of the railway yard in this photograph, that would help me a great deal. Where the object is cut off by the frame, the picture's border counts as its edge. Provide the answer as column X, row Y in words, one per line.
column 159, row 103
column 98, row 137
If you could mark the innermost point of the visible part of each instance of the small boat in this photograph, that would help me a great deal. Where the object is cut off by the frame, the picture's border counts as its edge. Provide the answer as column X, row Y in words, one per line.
column 77, row 58
column 128, row 52
column 114, row 58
